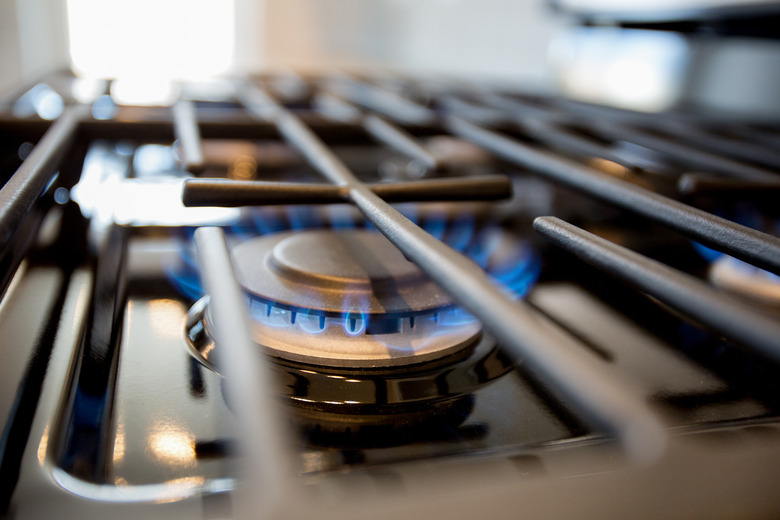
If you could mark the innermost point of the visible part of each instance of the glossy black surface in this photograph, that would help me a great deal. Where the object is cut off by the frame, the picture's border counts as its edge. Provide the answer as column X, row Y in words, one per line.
column 106, row 412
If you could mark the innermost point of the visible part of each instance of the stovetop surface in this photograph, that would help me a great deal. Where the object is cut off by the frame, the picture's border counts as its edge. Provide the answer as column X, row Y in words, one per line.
column 104, row 400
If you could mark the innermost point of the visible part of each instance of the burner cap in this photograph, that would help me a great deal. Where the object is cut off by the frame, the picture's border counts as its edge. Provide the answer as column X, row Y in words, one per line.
column 345, row 299
column 329, row 272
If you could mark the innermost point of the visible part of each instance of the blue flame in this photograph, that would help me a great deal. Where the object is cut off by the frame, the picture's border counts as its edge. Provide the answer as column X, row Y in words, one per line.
column 355, row 323
column 522, row 277
column 311, row 323
column 509, row 262
column 302, row 217
column 187, row 282
column 436, row 225
column 267, row 221
column 708, row 254
column 481, row 249
column 341, row 219
column 461, row 233
column 456, row 317
column 356, row 306
column 242, row 230
column 183, row 273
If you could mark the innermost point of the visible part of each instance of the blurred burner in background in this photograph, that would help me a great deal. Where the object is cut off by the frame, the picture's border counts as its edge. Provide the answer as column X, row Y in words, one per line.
column 721, row 56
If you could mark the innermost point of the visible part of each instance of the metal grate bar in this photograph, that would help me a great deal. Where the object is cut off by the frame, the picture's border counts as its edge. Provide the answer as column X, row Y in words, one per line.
column 718, row 233
column 728, row 316
column 768, row 138
column 747, row 142
column 219, row 192
column 185, row 126
column 695, row 184
column 520, row 109
column 382, row 130
column 382, row 101
column 704, row 151
column 573, row 376
column 739, row 148
column 681, row 152
column 265, row 440
column 541, row 125
column 388, row 133
column 31, row 178
column 472, row 111
column 235, row 126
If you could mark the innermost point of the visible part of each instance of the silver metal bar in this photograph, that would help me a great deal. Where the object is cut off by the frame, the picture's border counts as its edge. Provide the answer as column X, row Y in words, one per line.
column 542, row 124
column 382, row 101
column 728, row 316
column 382, row 130
column 36, row 172
column 390, row 134
column 574, row 376
column 264, row 439
column 185, row 127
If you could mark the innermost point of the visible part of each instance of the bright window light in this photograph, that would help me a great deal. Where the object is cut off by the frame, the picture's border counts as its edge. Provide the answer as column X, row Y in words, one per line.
column 151, row 42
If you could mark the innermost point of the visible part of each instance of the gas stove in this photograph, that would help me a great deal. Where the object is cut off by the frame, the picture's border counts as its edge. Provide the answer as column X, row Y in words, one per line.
column 212, row 310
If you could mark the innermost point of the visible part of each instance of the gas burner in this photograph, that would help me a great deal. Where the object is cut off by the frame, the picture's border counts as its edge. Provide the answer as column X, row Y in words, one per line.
column 363, row 343
column 369, row 405
column 348, row 299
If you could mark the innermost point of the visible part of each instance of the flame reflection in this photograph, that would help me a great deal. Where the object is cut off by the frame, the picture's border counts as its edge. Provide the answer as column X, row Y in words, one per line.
column 120, row 444
column 43, row 446
column 172, row 445
column 166, row 316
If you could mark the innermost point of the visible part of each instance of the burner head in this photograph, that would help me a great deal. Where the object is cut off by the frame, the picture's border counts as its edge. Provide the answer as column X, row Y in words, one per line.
column 362, row 342
column 377, row 404
column 346, row 298
column 335, row 272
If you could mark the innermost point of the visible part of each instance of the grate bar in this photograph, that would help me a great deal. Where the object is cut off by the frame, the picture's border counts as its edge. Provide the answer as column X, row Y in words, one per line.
column 709, row 156
column 569, row 141
column 382, row 101
column 382, row 130
column 739, row 148
column 541, row 125
column 718, row 233
column 728, row 316
column 248, row 380
column 398, row 139
column 185, row 127
column 472, row 111
column 227, row 193
column 520, row 109
column 765, row 137
column 32, row 178
column 574, row 376
column 695, row 184
column 683, row 153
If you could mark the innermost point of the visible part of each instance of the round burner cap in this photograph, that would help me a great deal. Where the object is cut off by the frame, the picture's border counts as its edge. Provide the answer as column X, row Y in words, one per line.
column 346, row 298
column 325, row 272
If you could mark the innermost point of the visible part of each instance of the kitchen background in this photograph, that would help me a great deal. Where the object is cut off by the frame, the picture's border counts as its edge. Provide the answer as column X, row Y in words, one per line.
column 537, row 44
